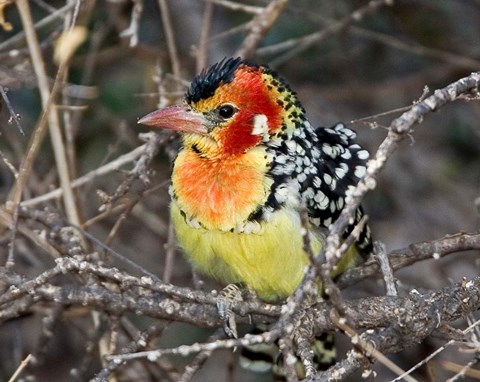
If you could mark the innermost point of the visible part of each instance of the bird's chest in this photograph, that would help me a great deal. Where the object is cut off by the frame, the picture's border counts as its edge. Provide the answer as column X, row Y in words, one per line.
column 210, row 210
column 220, row 194
column 270, row 262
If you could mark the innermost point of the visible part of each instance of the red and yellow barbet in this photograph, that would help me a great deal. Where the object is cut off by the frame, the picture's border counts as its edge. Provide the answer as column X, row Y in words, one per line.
column 250, row 161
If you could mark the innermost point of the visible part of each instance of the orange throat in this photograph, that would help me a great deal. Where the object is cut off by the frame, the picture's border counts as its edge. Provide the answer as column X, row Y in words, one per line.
column 220, row 193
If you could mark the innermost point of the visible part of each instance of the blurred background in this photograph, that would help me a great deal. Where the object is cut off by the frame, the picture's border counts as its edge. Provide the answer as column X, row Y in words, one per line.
column 344, row 68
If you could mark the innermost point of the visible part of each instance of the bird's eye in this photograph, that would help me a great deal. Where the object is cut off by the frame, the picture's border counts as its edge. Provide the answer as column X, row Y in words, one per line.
column 226, row 111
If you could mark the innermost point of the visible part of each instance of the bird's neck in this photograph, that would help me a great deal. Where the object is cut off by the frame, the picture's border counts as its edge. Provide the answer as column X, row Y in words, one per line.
column 220, row 193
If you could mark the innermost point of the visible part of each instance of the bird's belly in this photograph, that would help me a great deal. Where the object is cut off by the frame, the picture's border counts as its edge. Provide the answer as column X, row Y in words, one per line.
column 271, row 263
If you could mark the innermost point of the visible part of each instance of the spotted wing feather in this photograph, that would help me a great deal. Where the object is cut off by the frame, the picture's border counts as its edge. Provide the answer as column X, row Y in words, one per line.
column 341, row 164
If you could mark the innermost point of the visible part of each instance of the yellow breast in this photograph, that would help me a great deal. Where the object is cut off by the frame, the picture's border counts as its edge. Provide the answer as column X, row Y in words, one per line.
column 271, row 263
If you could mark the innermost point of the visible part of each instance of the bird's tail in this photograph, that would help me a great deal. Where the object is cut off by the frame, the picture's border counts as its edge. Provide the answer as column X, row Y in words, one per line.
column 264, row 358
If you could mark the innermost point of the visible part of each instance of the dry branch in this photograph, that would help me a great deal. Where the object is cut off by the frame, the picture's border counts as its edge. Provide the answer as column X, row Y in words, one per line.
column 259, row 26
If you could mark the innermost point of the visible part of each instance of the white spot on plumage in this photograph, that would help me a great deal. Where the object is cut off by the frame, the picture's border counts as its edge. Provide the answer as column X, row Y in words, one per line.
column 360, row 171
column 291, row 146
column 251, row 227
column 341, row 170
column 309, row 193
column 300, row 150
column 363, row 154
column 321, row 199
column 328, row 179
column 281, row 193
column 287, row 168
column 281, row 159
column 260, row 125
column 302, row 177
column 267, row 213
column 346, row 155
column 327, row 222
column 317, row 182
column 193, row 222
column 334, row 184
column 349, row 191
column 333, row 206
column 340, row 203
column 327, row 149
column 345, row 131
column 315, row 153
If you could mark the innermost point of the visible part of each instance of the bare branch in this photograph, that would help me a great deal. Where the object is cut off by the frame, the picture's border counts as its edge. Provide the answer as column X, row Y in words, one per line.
column 171, row 44
column 386, row 269
column 295, row 46
column 414, row 253
column 259, row 26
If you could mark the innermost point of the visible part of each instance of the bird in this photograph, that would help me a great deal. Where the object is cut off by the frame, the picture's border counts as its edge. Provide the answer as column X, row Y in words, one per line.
column 250, row 165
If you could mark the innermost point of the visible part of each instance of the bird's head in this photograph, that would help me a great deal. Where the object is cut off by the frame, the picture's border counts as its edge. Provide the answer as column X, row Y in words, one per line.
column 231, row 108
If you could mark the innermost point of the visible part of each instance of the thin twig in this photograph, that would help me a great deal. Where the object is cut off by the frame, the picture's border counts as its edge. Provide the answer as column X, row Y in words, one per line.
column 202, row 51
column 184, row 350
column 132, row 31
column 386, row 268
column 295, row 46
column 435, row 353
column 415, row 252
column 13, row 115
column 170, row 37
column 237, row 6
column 462, row 371
column 114, row 165
column 369, row 349
column 289, row 359
column 10, row 166
column 200, row 359
column 454, row 59
column 20, row 368
column 54, row 124
column 259, row 27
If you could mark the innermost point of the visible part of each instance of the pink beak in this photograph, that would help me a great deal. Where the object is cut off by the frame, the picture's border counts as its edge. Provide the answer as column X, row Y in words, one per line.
column 176, row 117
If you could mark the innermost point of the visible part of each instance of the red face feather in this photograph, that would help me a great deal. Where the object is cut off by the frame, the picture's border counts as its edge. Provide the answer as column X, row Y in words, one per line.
column 249, row 94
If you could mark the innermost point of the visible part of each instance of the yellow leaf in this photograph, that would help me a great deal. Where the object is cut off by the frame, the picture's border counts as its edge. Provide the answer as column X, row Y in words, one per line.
column 7, row 27
column 68, row 43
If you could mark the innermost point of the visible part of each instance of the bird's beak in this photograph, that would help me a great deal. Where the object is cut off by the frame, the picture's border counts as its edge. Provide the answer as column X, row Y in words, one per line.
column 176, row 117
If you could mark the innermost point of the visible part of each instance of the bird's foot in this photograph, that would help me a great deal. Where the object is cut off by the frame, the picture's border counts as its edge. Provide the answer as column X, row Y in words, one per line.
column 227, row 298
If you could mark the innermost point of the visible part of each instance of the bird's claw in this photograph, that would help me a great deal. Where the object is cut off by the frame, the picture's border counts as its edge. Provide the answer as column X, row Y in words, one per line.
column 227, row 298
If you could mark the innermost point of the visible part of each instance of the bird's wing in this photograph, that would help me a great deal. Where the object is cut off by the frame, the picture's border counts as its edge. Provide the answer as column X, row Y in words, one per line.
column 341, row 164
